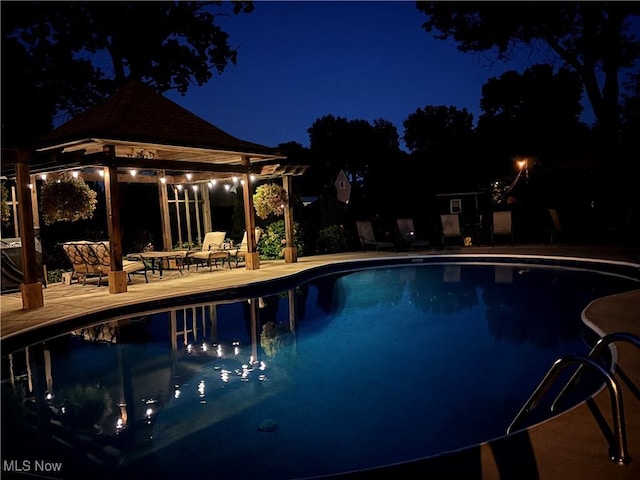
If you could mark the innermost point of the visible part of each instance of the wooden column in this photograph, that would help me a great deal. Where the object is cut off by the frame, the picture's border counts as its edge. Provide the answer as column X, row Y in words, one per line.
column 197, row 205
column 31, row 288
column 164, row 212
column 290, row 250
column 207, row 221
column 117, row 277
column 34, row 206
column 252, row 259
column 177, row 202
column 187, row 215
column 14, row 206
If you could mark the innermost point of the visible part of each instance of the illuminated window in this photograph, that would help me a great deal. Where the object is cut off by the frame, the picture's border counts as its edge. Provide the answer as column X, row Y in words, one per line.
column 455, row 205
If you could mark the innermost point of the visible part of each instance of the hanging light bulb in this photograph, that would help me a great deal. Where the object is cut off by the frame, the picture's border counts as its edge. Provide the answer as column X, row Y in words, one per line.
column 163, row 180
column 189, row 176
column 133, row 173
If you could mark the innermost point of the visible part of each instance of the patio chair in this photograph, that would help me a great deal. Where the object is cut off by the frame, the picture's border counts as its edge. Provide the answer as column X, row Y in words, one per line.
column 367, row 237
column 451, row 227
column 240, row 250
column 502, row 225
column 129, row 265
column 80, row 268
column 211, row 251
column 557, row 230
column 408, row 233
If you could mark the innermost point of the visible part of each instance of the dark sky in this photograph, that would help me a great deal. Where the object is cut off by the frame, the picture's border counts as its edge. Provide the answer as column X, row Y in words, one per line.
column 299, row 61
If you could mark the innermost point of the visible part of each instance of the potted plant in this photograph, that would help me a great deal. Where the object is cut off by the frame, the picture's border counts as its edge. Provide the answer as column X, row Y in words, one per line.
column 67, row 199
column 270, row 198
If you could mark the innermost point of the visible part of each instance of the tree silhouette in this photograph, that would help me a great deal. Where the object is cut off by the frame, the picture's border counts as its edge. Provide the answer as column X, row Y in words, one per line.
column 591, row 38
column 443, row 138
column 364, row 151
column 69, row 55
column 531, row 114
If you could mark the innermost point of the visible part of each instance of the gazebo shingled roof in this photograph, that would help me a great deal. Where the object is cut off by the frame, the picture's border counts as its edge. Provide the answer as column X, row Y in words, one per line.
column 136, row 113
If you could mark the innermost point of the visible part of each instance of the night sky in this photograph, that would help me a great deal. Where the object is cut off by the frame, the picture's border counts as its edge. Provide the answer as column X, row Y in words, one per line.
column 299, row 61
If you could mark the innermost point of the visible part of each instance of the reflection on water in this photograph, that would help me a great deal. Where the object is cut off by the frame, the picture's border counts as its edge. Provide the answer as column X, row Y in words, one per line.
column 317, row 379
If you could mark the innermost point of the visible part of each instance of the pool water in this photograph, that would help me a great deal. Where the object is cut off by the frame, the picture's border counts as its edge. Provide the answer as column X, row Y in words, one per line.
column 343, row 372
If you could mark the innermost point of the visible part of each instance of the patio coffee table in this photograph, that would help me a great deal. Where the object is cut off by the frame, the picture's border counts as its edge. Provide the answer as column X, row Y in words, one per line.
column 157, row 259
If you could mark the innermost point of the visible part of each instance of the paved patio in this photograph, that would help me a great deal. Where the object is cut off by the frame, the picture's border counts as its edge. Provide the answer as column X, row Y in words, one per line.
column 570, row 446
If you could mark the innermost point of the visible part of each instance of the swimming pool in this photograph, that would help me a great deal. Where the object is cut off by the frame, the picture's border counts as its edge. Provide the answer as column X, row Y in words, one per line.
column 346, row 371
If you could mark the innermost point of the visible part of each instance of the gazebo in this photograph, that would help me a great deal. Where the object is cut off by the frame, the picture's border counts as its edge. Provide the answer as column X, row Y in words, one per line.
column 138, row 135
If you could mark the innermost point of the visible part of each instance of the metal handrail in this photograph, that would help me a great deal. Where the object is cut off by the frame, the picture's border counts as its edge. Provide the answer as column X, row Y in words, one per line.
column 618, row 453
column 595, row 353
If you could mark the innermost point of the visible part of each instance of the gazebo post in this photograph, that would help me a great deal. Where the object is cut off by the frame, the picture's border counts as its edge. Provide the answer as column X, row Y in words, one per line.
column 187, row 216
column 251, row 259
column 290, row 250
column 117, row 276
column 31, row 288
column 164, row 212
column 206, row 210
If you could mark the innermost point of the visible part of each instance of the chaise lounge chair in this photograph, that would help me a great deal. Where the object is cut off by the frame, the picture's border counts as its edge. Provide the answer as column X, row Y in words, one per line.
column 408, row 234
column 367, row 237
column 131, row 265
column 451, row 227
column 80, row 268
column 93, row 259
column 502, row 225
column 240, row 250
column 211, row 251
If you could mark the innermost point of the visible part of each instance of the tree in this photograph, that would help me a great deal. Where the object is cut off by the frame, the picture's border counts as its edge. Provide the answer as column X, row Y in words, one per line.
column 366, row 153
column 592, row 38
column 69, row 55
column 535, row 113
column 443, row 138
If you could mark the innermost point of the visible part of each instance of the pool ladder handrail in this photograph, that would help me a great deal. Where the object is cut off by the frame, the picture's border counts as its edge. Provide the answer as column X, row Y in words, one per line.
column 618, row 453
column 595, row 352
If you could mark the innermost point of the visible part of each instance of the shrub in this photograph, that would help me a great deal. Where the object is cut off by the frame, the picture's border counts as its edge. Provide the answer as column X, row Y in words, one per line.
column 331, row 239
column 5, row 212
column 272, row 240
column 55, row 275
